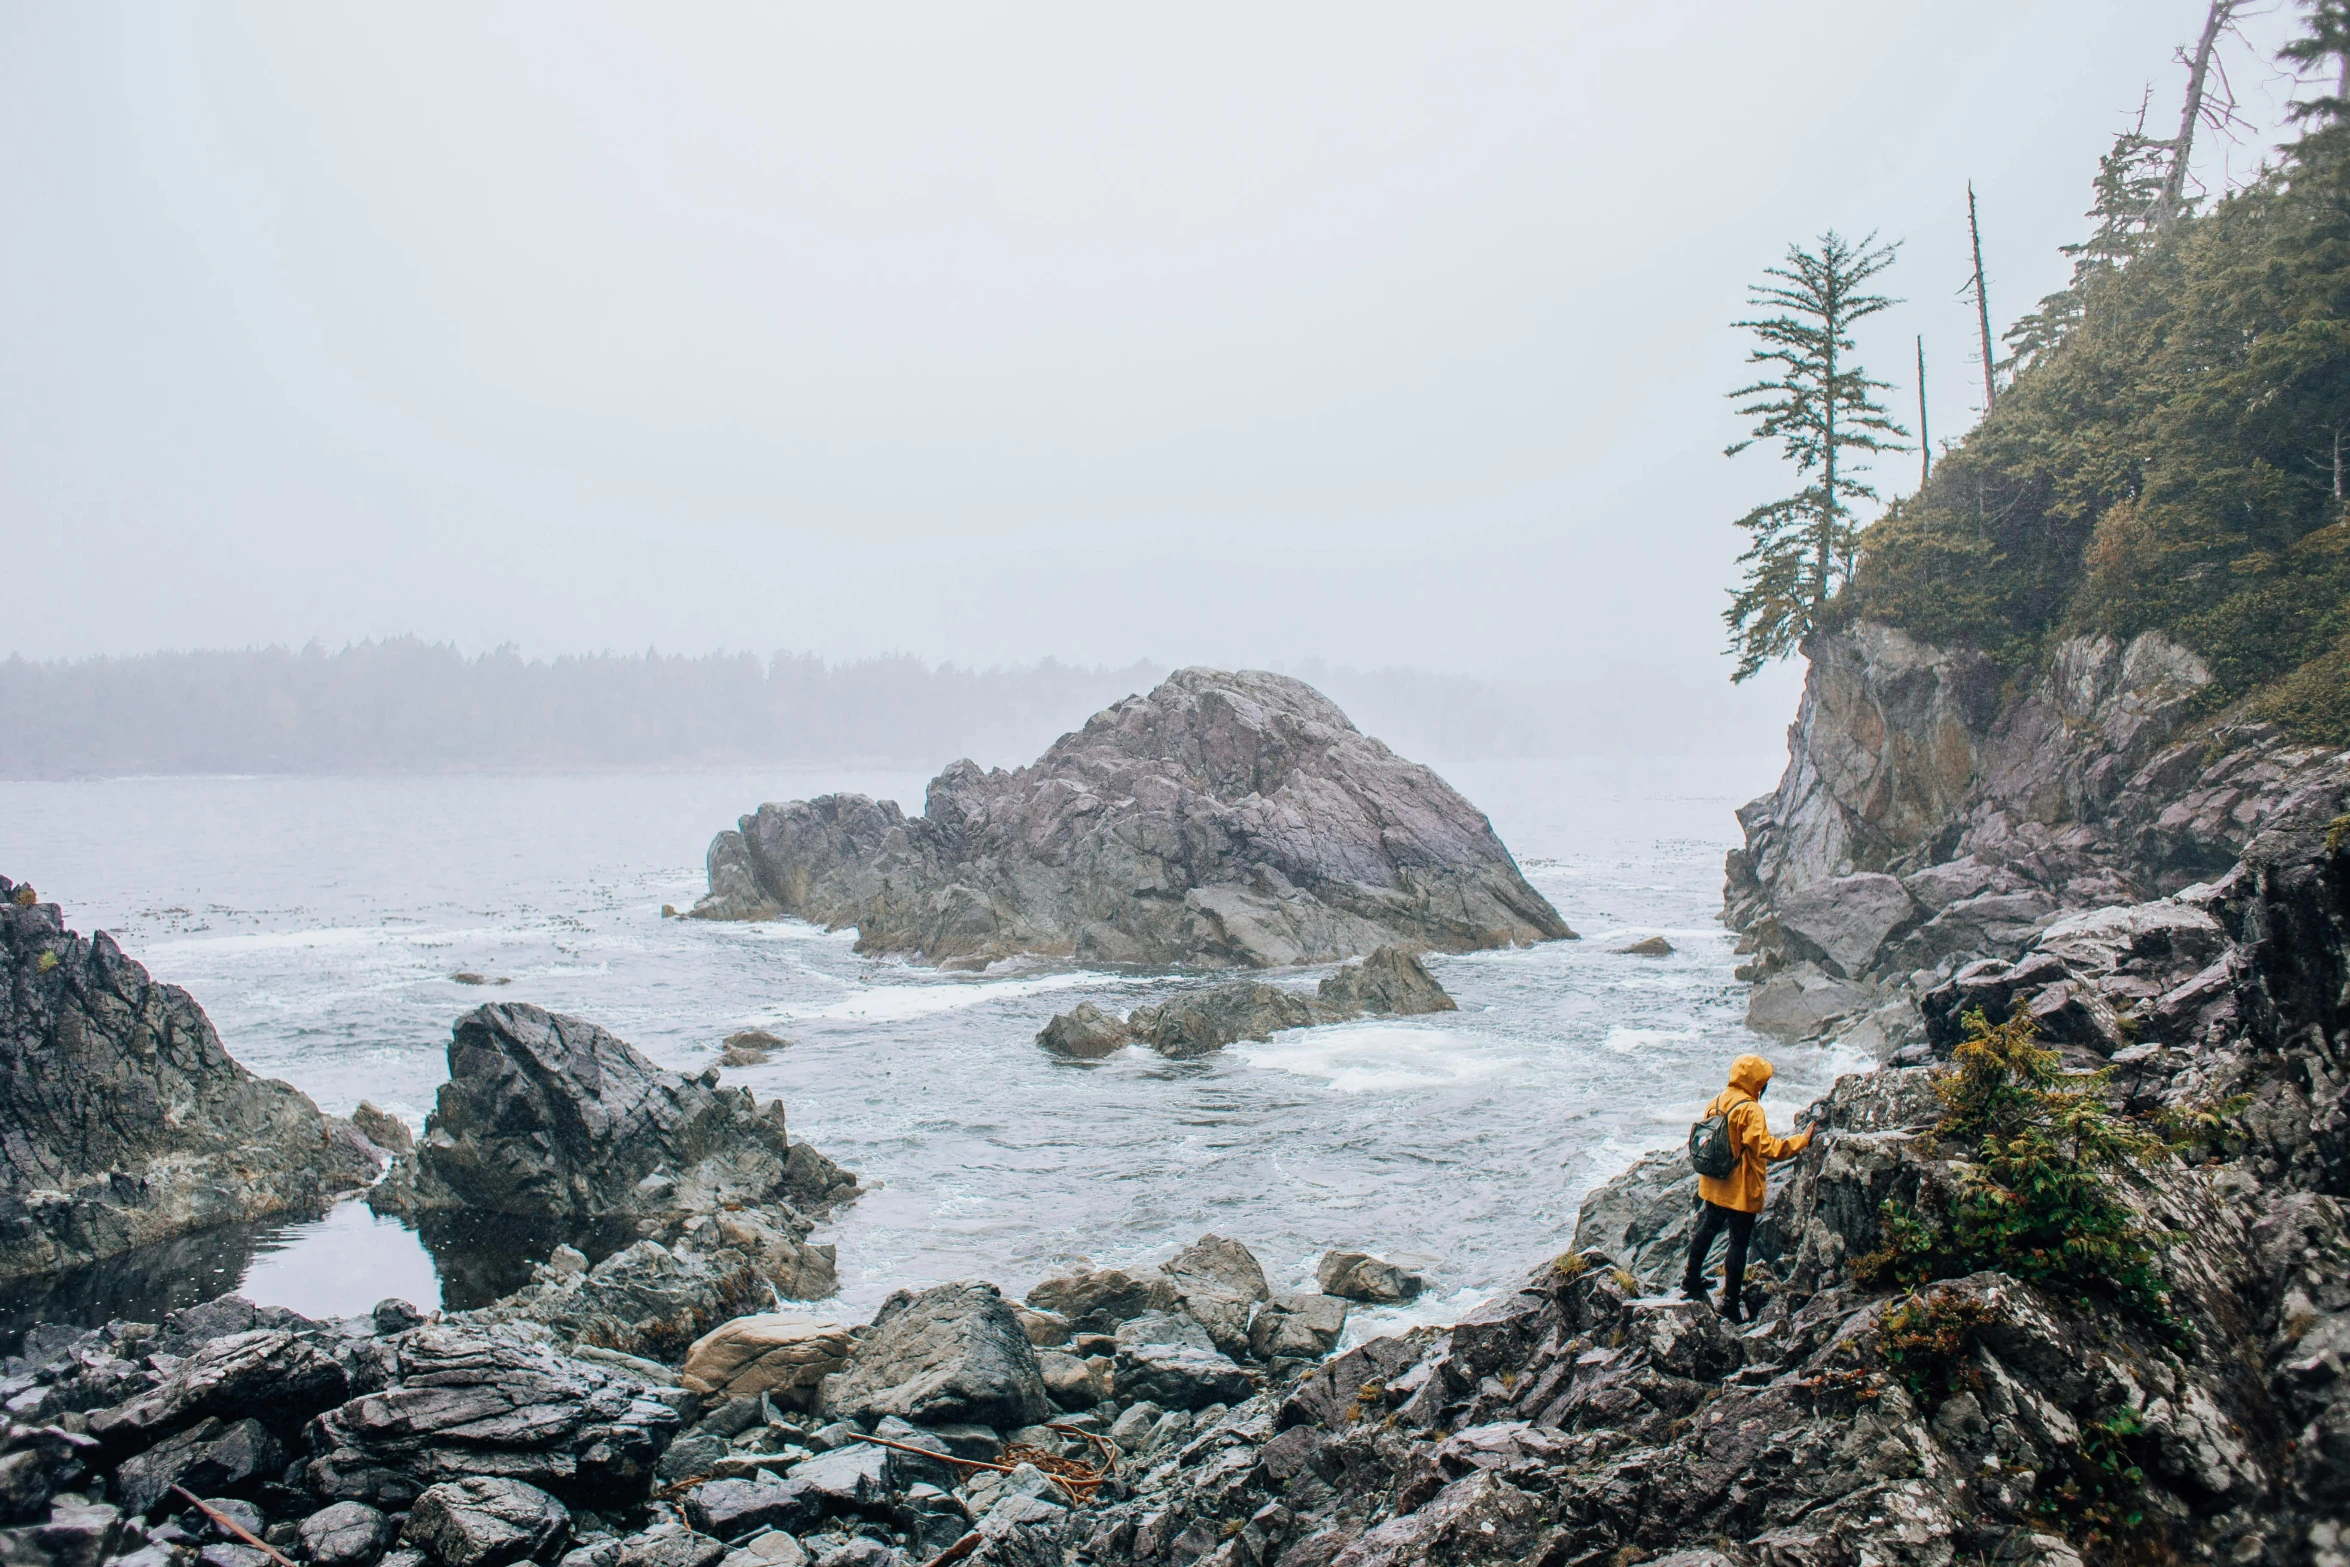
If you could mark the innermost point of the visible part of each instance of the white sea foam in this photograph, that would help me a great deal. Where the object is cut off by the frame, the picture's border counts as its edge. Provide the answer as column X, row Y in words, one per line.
column 1633, row 1041
column 1378, row 1057
column 889, row 1003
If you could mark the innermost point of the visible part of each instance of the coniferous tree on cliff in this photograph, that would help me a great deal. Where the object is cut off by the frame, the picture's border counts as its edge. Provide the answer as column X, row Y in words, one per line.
column 1817, row 402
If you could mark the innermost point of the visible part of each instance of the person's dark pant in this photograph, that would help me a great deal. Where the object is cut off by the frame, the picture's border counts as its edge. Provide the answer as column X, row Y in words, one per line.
column 1712, row 1220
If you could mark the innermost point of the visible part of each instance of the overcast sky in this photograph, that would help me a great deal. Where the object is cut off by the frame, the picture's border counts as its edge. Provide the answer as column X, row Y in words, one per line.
column 1232, row 334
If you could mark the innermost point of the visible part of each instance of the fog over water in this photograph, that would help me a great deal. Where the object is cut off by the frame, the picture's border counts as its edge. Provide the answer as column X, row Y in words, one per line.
column 319, row 922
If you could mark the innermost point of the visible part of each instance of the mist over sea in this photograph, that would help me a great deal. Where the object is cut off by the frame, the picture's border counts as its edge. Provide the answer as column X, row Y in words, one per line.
column 320, row 922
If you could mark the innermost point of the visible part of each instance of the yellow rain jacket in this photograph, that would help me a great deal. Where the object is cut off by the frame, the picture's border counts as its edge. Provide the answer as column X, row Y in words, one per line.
column 1742, row 1190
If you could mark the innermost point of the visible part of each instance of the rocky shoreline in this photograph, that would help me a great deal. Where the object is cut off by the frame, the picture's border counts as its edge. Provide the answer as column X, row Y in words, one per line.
column 670, row 1402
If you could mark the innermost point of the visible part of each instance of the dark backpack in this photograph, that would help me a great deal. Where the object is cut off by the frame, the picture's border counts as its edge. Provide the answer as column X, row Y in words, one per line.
column 1710, row 1153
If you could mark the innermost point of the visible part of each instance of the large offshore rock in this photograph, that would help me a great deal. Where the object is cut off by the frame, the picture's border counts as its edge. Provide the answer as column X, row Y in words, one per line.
column 125, row 1121
column 1224, row 819
column 952, row 1354
column 550, row 1118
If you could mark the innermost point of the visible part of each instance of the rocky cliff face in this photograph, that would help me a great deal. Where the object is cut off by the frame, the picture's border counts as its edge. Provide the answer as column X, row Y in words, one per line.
column 1926, row 819
column 122, row 1120
column 1224, row 819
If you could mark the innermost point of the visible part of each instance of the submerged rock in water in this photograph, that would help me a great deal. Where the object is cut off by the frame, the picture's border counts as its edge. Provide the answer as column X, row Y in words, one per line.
column 1391, row 982
column 1085, row 1032
column 750, row 1047
column 1647, row 947
column 126, row 1122
column 1224, row 819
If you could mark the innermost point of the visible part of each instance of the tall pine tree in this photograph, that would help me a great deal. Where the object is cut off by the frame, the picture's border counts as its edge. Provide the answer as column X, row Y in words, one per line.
column 1819, row 405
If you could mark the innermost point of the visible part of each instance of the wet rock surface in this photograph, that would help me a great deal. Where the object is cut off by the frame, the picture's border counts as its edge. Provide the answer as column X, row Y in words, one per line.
column 551, row 1119
column 1390, row 982
column 952, row 1354
column 1224, row 819
column 126, row 1122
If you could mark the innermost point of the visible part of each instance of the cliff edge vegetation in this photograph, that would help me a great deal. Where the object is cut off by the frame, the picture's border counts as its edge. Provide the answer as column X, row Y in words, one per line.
column 2168, row 455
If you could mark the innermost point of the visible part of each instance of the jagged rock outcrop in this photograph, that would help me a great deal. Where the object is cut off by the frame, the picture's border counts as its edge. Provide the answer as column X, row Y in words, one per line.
column 550, row 1118
column 1390, row 982
column 1924, row 823
column 1234, row 820
column 122, row 1120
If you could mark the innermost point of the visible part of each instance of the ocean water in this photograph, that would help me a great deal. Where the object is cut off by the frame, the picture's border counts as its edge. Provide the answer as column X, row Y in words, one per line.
column 321, row 922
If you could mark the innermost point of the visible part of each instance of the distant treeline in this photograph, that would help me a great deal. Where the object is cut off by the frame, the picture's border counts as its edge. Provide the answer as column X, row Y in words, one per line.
column 406, row 705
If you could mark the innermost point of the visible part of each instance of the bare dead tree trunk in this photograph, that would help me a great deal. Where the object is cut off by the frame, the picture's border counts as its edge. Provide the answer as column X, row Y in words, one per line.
column 2174, row 184
column 1982, row 302
column 1926, row 444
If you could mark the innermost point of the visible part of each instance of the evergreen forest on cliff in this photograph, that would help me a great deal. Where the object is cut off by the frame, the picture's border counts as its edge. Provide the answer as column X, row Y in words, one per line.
column 2169, row 454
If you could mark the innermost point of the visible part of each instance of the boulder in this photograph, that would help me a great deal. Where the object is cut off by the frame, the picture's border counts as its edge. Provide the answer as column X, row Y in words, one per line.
column 483, row 1521
column 382, row 1128
column 1075, row 1383
column 1206, row 1021
column 1357, row 1275
column 1643, row 1218
column 267, row 1373
column 1296, row 1327
column 1045, row 1329
column 346, row 1534
column 643, row 1300
column 1176, row 1376
column 1085, row 1033
column 784, row 1354
column 1219, row 1282
column 210, row 1458
column 1097, row 1300
column 731, row 1509
column 462, row 1399
column 1647, row 947
column 127, row 1123
column 1176, row 1328
column 1200, row 795
column 1392, row 981
column 952, row 1353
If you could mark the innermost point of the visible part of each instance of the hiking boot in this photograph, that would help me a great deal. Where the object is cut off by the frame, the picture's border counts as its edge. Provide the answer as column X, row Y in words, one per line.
column 1695, row 1289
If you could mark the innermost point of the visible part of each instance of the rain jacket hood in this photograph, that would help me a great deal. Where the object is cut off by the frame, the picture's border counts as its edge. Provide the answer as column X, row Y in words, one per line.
column 1750, row 1135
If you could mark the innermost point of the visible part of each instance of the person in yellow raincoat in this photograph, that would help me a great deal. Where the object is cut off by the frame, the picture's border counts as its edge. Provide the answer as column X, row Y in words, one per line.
column 1732, row 1202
